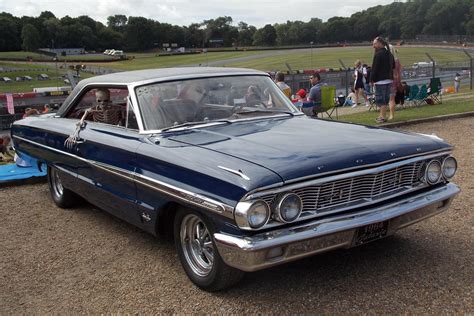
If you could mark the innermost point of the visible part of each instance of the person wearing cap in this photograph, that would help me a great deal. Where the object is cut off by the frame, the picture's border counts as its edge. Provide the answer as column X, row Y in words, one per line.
column 280, row 81
column 299, row 96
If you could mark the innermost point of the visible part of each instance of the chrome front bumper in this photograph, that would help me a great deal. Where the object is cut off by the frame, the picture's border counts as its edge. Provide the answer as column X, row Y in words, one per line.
column 283, row 245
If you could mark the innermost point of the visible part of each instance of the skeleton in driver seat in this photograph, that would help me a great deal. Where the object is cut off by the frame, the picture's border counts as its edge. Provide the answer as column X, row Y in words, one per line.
column 102, row 112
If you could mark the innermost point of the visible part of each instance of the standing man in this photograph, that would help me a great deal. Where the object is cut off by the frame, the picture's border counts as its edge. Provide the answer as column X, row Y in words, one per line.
column 280, row 81
column 381, row 76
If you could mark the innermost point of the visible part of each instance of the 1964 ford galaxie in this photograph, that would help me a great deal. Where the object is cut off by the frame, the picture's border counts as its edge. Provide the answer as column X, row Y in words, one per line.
column 220, row 159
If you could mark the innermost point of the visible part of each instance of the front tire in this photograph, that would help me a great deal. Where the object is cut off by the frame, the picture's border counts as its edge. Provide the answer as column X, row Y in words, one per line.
column 61, row 196
column 198, row 253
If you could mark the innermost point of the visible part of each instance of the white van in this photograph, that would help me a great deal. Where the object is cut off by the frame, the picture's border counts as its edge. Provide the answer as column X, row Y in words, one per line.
column 117, row 53
column 422, row 64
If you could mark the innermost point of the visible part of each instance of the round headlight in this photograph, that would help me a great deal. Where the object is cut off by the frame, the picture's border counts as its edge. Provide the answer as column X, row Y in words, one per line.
column 433, row 172
column 288, row 208
column 449, row 167
column 258, row 214
column 252, row 214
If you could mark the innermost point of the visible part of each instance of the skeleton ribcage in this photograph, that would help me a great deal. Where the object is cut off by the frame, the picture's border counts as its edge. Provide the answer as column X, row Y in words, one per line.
column 109, row 116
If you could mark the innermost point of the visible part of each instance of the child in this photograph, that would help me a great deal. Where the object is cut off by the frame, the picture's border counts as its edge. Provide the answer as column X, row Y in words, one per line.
column 457, row 82
column 351, row 99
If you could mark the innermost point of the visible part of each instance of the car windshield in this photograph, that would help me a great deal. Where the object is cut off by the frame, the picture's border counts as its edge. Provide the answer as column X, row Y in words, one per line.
column 218, row 99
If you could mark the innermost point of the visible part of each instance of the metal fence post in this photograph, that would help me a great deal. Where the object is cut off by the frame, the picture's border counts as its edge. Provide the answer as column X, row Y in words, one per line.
column 292, row 77
column 347, row 75
column 434, row 64
column 470, row 66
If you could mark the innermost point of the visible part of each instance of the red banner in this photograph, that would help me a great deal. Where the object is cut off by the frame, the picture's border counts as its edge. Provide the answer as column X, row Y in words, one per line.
column 10, row 107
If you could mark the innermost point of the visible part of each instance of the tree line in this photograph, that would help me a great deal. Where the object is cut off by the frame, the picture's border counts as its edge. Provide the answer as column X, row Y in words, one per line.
column 396, row 21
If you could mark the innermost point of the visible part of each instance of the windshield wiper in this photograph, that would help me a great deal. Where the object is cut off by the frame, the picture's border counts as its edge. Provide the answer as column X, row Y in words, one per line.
column 186, row 124
column 264, row 111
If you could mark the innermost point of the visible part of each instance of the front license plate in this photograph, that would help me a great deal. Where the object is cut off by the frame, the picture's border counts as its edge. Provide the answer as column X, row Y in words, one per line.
column 370, row 233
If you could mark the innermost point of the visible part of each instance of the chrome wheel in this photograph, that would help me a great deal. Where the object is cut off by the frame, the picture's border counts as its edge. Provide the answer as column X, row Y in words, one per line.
column 197, row 245
column 56, row 183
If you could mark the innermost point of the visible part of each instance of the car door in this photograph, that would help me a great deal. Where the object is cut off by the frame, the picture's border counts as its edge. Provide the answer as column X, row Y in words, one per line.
column 110, row 153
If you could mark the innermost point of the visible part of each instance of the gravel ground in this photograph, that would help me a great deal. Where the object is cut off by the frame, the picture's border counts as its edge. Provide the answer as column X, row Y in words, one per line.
column 86, row 261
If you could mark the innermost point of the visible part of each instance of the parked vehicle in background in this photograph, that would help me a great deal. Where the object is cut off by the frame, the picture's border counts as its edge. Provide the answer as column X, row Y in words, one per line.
column 117, row 53
column 19, row 79
column 216, row 158
column 42, row 77
column 6, row 79
column 107, row 51
column 28, row 78
column 422, row 64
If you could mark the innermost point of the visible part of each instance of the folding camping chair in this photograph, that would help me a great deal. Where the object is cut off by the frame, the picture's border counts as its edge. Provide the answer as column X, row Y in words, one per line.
column 328, row 103
column 435, row 91
column 414, row 90
column 420, row 98
column 371, row 99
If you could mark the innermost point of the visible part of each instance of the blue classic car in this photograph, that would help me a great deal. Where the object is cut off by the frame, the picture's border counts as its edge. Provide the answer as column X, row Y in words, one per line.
column 220, row 160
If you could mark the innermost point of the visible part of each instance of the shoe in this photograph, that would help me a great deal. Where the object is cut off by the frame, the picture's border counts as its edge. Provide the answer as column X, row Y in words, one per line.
column 390, row 118
column 380, row 120
column 367, row 104
column 354, row 105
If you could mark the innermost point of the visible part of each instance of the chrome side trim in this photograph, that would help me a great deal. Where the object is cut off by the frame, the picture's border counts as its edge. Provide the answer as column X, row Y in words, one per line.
column 50, row 148
column 186, row 196
column 236, row 172
column 173, row 191
column 326, row 177
column 252, row 253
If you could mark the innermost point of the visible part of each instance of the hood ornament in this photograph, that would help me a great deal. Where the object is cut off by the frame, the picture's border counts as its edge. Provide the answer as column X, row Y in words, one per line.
column 236, row 172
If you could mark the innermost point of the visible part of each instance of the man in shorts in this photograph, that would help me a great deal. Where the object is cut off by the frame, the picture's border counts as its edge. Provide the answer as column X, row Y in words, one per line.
column 381, row 76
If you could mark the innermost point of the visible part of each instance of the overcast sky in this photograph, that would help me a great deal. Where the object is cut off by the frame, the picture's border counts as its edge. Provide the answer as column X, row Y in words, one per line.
column 185, row 12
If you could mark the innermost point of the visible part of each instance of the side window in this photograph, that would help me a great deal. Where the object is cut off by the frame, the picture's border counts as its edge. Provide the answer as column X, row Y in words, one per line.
column 104, row 105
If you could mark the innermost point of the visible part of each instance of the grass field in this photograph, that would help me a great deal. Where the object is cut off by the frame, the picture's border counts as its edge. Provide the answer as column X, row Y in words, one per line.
column 147, row 61
column 262, row 60
column 329, row 57
column 32, row 70
column 453, row 103
column 298, row 59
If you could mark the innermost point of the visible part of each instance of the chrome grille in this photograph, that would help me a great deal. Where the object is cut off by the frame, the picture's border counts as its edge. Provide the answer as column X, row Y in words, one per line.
column 359, row 189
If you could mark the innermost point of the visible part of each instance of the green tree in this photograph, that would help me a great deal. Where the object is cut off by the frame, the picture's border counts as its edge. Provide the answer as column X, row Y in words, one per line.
column 9, row 33
column 245, row 34
column 30, row 38
column 266, row 36
column 447, row 17
column 117, row 22
column 108, row 38
column 220, row 28
column 312, row 30
column 138, row 34
column 193, row 35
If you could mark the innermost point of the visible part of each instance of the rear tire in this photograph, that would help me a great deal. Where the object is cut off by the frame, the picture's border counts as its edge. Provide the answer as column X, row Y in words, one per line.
column 199, row 255
column 61, row 196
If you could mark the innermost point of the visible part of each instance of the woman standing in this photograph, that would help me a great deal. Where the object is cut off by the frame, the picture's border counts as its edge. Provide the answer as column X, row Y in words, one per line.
column 396, row 84
column 359, row 83
column 381, row 76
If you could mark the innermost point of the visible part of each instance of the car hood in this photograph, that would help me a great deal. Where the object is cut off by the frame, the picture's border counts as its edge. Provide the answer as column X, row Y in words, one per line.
column 299, row 147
